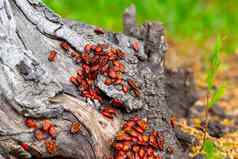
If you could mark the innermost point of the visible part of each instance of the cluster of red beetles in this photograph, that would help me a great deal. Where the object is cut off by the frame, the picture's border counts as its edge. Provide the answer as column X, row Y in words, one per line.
column 99, row 59
column 47, row 132
column 133, row 142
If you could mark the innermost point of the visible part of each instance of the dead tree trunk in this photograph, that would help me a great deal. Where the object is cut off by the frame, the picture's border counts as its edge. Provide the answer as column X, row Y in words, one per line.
column 31, row 86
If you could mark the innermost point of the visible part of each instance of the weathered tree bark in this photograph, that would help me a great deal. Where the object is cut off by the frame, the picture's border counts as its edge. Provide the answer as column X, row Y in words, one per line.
column 180, row 89
column 31, row 86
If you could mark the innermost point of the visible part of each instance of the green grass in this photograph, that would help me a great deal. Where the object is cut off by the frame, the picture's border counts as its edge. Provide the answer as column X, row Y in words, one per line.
column 212, row 70
column 210, row 150
column 215, row 95
column 184, row 19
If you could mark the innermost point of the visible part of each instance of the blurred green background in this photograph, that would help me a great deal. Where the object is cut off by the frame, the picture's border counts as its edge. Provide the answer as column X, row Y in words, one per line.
column 191, row 20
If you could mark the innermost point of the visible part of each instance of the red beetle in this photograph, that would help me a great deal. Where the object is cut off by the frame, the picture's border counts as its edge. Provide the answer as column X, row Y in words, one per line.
column 123, row 137
column 126, row 146
column 107, row 115
column 30, row 123
column 74, row 80
column 95, row 59
column 75, row 128
column 136, row 92
column 46, row 125
column 98, row 31
column 136, row 148
column 65, row 46
column 173, row 121
column 25, row 146
column 112, row 73
column 145, row 138
column 108, row 82
column 98, row 50
column 53, row 131
column 132, row 84
column 120, row 155
column 120, row 53
column 116, row 63
column 125, row 88
column 104, row 69
column 86, row 68
column 150, row 151
column 110, row 110
column 118, row 146
column 141, row 153
column 51, row 146
column 117, row 102
column 39, row 134
column 139, row 129
column 80, row 72
column 94, row 68
column 142, row 124
column 136, row 45
column 84, row 85
column 133, row 133
column 128, row 124
column 52, row 55
column 118, row 81
column 87, row 48
column 86, row 58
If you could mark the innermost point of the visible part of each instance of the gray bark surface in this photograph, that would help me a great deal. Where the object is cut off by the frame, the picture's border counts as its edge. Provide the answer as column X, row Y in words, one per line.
column 180, row 89
column 31, row 86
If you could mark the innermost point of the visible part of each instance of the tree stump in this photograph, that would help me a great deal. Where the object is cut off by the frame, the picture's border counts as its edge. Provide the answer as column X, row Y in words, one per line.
column 33, row 88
